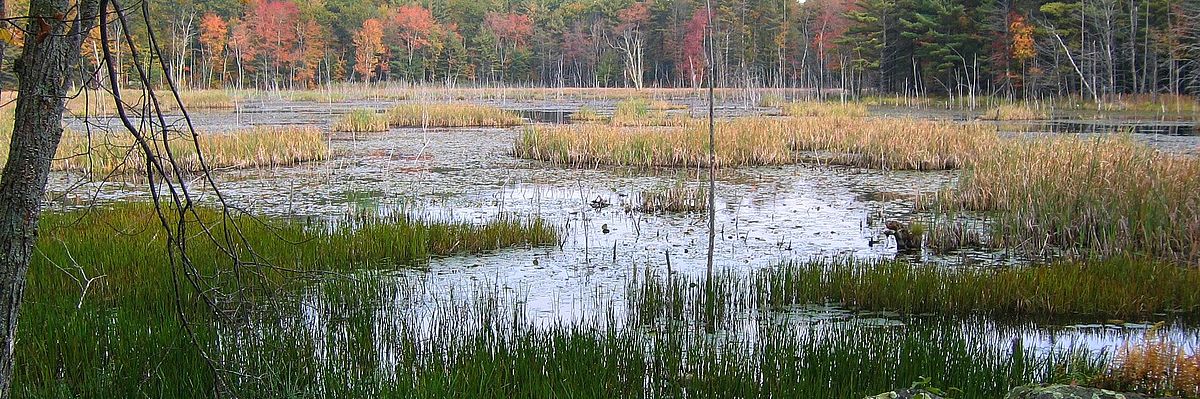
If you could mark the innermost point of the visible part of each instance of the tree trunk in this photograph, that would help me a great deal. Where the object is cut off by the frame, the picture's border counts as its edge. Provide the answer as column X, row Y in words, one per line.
column 50, row 53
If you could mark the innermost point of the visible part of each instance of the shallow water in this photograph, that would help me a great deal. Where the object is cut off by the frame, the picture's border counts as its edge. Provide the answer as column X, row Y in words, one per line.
column 765, row 215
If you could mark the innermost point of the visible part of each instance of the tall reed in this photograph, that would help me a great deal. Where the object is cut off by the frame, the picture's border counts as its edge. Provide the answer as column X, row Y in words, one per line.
column 1108, row 196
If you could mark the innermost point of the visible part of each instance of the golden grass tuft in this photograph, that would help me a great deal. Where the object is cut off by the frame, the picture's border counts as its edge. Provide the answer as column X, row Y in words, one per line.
column 677, row 199
column 825, row 109
column 586, row 114
column 645, row 112
column 867, row 142
column 451, row 115
column 362, row 120
column 1013, row 112
column 105, row 154
column 771, row 100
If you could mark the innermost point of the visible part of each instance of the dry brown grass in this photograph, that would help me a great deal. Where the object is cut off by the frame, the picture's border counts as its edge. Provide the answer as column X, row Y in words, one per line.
column 677, row 199
column 105, row 154
column 451, row 115
column 825, row 109
column 586, row 114
column 867, row 142
column 435, row 93
column 1013, row 112
column 97, row 102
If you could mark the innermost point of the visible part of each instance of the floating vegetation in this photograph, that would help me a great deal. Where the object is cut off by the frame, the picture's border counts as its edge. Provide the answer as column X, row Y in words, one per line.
column 1013, row 112
column 885, row 143
column 825, row 109
column 451, row 115
column 362, row 120
column 1108, row 196
column 677, row 199
column 1114, row 288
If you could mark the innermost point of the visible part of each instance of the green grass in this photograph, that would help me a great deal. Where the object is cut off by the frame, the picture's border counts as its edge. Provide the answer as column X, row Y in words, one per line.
column 1114, row 288
column 101, row 316
column 360, row 336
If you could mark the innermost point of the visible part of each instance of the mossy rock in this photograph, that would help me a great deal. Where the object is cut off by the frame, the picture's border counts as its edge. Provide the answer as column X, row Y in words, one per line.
column 906, row 394
column 1068, row 392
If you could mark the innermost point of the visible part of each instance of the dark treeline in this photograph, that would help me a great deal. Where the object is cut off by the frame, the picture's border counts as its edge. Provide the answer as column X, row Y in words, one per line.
column 1020, row 48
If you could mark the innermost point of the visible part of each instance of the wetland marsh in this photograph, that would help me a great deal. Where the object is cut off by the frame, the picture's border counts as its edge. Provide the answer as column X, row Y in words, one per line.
column 429, row 248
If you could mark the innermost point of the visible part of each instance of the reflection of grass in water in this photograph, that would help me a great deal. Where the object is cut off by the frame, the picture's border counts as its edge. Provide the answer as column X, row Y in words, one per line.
column 1109, row 196
column 1155, row 365
column 451, row 115
column 362, row 120
column 358, row 337
column 869, row 142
